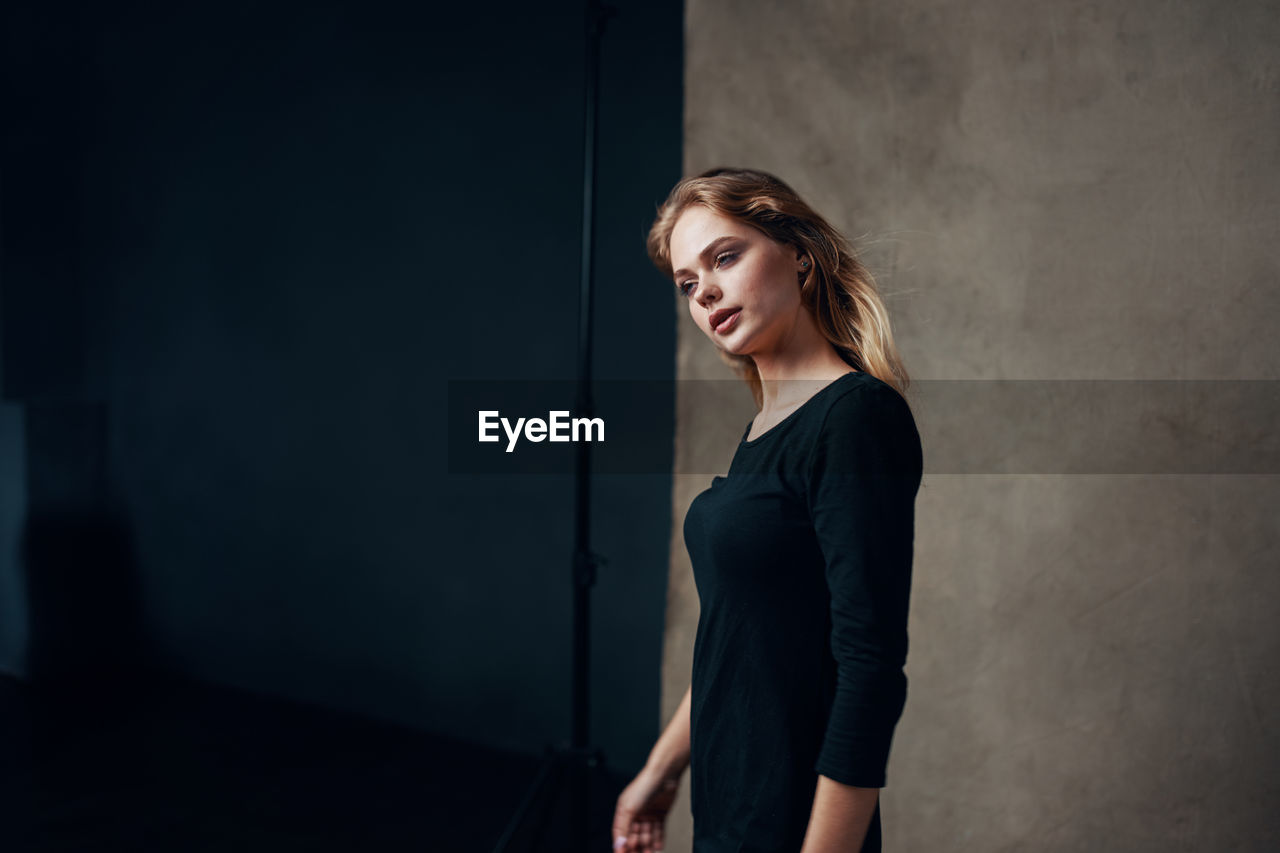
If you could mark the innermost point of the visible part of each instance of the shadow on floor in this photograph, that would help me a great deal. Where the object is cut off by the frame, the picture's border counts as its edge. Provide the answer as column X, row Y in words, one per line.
column 175, row 766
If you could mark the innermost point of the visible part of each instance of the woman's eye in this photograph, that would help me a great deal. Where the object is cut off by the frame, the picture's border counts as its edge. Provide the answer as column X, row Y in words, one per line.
column 685, row 287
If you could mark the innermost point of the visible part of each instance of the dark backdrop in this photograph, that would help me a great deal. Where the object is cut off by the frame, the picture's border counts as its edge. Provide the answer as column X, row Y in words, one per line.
column 245, row 249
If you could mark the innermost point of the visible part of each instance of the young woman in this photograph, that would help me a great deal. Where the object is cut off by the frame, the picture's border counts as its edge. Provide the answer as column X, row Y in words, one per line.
column 802, row 554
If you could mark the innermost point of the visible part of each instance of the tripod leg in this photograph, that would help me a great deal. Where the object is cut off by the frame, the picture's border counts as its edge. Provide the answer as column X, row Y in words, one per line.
column 543, row 784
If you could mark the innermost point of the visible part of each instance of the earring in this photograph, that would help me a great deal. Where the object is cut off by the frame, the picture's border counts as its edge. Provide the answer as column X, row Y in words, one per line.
column 804, row 265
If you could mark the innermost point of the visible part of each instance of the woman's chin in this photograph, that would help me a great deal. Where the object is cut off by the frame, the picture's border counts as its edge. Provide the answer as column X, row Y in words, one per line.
column 732, row 343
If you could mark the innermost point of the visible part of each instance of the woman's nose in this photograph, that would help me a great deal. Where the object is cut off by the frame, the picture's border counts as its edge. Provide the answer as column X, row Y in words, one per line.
column 708, row 293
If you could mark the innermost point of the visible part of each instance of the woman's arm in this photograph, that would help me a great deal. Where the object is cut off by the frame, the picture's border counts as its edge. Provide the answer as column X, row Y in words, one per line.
column 670, row 755
column 840, row 819
column 640, row 816
column 864, row 473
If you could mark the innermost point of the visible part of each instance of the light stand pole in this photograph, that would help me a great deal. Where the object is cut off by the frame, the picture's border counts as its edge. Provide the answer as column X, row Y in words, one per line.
column 569, row 767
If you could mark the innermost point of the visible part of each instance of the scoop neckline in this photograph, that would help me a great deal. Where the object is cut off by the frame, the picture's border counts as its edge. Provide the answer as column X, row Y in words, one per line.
column 795, row 413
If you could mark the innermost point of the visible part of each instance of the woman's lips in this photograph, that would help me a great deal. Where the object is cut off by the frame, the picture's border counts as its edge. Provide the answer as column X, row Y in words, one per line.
column 728, row 322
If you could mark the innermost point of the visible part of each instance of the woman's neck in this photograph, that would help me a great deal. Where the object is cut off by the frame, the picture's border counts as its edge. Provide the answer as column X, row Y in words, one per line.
column 787, row 380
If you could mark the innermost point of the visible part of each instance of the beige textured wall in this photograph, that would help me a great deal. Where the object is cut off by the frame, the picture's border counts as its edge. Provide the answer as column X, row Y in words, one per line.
column 1047, row 190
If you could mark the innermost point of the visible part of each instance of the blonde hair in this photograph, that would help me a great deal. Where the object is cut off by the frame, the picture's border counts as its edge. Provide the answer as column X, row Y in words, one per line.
column 839, row 291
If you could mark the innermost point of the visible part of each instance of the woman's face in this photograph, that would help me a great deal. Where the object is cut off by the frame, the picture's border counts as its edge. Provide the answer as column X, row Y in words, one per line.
column 734, row 275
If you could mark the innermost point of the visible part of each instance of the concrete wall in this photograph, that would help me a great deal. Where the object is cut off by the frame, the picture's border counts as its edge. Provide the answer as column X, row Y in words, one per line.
column 1047, row 191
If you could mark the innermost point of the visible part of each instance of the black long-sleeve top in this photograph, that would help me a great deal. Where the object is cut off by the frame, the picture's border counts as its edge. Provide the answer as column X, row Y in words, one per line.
column 802, row 560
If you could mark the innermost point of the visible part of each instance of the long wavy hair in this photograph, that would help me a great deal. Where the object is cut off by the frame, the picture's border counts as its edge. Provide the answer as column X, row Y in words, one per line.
column 839, row 291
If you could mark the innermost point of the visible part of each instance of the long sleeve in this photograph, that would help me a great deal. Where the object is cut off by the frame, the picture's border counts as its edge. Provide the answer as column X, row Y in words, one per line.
column 863, row 475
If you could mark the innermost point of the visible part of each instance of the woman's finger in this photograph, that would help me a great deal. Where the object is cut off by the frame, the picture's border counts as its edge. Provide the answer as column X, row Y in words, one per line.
column 621, row 821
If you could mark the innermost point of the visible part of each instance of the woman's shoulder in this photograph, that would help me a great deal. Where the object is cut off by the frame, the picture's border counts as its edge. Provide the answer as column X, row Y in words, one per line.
column 864, row 401
column 867, row 425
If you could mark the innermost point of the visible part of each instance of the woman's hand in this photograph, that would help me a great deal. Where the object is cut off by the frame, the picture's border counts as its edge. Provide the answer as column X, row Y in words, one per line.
column 639, row 821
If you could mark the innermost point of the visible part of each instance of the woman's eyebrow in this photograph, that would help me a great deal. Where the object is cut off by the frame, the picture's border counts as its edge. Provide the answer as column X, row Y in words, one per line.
column 705, row 253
